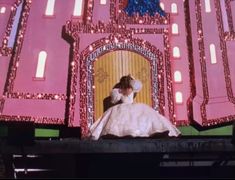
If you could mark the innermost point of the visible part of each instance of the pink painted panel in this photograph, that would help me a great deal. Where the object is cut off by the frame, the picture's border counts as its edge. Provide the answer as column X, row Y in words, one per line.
column 101, row 12
column 156, row 40
column 215, row 76
column 220, row 109
column 231, row 55
column 44, row 34
column 233, row 12
column 196, row 58
column 197, row 101
column 34, row 108
column 4, row 63
column 88, row 39
column 4, row 19
column 211, row 36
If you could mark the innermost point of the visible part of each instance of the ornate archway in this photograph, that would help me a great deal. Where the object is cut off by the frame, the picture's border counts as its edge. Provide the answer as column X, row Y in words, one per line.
column 103, row 46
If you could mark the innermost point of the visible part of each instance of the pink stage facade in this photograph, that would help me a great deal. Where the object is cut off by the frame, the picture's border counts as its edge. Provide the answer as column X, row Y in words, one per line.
column 49, row 48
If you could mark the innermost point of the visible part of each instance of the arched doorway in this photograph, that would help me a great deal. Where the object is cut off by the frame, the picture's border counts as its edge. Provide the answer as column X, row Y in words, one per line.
column 137, row 53
column 110, row 67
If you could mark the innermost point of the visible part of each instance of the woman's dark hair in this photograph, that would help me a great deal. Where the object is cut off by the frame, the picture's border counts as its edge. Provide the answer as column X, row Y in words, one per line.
column 125, row 82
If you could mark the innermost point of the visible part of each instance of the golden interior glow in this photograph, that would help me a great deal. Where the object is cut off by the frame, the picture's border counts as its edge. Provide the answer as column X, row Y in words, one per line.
column 110, row 67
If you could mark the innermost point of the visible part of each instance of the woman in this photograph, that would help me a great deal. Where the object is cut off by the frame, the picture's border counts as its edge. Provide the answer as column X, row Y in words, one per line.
column 129, row 118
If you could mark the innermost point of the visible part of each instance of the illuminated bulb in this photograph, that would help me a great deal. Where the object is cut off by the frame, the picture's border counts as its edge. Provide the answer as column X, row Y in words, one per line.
column 177, row 76
column 178, row 97
column 90, row 48
column 72, row 63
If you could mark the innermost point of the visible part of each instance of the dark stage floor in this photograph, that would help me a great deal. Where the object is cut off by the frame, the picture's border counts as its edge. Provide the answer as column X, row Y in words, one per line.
column 180, row 158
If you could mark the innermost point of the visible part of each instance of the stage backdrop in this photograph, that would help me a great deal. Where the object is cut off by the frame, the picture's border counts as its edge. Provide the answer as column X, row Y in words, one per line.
column 59, row 61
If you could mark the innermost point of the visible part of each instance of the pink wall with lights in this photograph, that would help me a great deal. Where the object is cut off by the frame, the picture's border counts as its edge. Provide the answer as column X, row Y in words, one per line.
column 4, row 16
column 5, row 13
column 214, row 100
column 57, row 98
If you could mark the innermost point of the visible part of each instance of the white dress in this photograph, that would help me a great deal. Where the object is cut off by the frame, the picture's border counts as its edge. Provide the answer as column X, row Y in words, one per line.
column 131, row 119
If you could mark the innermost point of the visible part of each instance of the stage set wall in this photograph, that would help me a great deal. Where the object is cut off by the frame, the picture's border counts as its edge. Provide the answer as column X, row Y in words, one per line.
column 57, row 98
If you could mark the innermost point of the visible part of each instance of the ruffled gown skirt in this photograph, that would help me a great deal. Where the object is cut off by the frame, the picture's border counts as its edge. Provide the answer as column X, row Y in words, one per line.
column 136, row 120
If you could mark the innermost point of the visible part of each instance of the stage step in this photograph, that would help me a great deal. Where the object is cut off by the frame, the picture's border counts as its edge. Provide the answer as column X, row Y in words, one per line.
column 41, row 166
column 30, row 166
